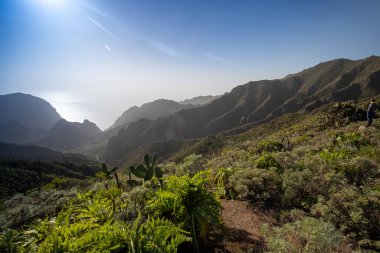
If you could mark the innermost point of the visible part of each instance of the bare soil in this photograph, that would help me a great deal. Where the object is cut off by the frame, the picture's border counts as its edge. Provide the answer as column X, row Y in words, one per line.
column 240, row 231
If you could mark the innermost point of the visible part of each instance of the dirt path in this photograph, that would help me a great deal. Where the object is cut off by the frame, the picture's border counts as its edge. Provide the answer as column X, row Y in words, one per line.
column 241, row 228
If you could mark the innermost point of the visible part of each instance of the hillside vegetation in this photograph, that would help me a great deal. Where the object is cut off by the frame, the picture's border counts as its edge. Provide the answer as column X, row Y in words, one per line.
column 316, row 176
column 250, row 104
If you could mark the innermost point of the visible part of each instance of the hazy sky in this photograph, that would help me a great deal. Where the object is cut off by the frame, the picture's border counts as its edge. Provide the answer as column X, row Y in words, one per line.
column 95, row 58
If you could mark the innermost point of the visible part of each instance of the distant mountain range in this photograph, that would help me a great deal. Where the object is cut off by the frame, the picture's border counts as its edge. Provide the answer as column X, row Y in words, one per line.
column 250, row 104
column 165, row 126
column 29, row 111
column 29, row 120
column 65, row 135
column 154, row 110
column 200, row 100
column 26, row 119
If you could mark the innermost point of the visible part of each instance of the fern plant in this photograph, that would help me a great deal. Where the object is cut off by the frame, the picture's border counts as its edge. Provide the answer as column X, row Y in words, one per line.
column 11, row 241
column 155, row 235
column 189, row 204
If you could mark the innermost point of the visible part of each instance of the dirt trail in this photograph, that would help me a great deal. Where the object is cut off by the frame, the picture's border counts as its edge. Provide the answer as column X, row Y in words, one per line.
column 241, row 228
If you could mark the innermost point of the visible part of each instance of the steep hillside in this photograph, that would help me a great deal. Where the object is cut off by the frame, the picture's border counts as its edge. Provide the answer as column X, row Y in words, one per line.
column 66, row 135
column 24, row 117
column 28, row 110
column 254, row 103
column 200, row 100
column 152, row 110
column 304, row 182
column 24, row 168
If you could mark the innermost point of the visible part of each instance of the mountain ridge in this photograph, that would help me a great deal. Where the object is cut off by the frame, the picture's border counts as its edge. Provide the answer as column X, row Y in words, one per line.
column 255, row 103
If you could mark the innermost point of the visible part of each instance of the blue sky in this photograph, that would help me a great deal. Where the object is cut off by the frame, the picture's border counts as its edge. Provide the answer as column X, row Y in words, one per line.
column 95, row 58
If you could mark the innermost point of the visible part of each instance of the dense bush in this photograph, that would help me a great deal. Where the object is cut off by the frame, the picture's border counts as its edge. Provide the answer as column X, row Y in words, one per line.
column 341, row 114
column 354, row 211
column 301, row 188
column 308, row 235
column 21, row 210
column 191, row 165
column 258, row 185
column 266, row 161
column 270, row 146
column 360, row 171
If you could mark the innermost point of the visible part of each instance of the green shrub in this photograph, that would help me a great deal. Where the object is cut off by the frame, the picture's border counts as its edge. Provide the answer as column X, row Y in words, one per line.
column 258, row 185
column 308, row 235
column 361, row 171
column 292, row 215
column 269, row 146
column 266, row 161
column 22, row 210
column 341, row 114
column 61, row 183
column 356, row 140
column 191, row 165
column 138, row 197
column 354, row 211
column 301, row 188
column 12, row 241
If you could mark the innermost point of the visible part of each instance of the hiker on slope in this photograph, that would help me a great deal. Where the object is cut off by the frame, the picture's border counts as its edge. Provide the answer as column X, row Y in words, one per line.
column 371, row 112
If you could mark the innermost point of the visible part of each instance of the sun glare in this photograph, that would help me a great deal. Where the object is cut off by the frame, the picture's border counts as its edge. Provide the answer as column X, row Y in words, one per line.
column 52, row 3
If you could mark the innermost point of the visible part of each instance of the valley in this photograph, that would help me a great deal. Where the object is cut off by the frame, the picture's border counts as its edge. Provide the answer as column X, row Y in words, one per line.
column 272, row 166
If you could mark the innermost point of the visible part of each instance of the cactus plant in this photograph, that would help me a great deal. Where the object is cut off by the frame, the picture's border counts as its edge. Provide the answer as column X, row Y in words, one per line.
column 111, row 173
column 148, row 170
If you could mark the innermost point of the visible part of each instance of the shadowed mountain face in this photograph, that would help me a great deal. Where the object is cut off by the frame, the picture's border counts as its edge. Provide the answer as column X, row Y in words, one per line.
column 156, row 109
column 254, row 103
column 152, row 110
column 69, row 135
column 23, row 117
column 200, row 100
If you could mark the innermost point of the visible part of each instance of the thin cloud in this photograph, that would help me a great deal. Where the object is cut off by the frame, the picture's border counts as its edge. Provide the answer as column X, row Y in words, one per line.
column 107, row 47
column 165, row 49
column 101, row 27
column 213, row 57
column 221, row 60
column 97, row 11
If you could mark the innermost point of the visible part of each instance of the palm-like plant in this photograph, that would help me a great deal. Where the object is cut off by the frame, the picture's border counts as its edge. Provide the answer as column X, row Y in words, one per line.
column 222, row 182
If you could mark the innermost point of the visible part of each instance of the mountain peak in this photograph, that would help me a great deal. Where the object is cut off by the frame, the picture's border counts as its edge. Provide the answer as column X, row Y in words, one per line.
column 251, row 104
column 27, row 109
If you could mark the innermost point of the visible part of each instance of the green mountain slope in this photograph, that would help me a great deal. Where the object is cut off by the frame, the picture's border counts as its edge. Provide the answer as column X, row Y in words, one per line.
column 252, row 104
column 24, row 168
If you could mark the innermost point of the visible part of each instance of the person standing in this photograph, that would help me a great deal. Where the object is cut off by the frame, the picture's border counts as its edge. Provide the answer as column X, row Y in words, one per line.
column 371, row 112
